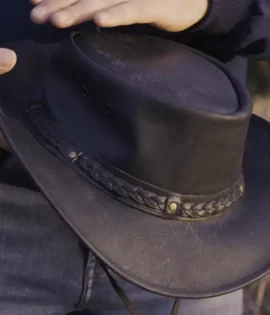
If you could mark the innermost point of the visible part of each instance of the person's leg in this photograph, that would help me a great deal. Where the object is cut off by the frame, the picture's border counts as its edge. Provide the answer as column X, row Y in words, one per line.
column 105, row 301
column 41, row 261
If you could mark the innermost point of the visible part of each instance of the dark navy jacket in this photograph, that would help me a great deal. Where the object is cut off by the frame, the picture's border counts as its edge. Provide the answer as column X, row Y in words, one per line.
column 230, row 31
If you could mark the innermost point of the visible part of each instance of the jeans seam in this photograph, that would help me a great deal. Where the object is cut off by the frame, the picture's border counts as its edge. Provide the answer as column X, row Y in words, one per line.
column 88, row 282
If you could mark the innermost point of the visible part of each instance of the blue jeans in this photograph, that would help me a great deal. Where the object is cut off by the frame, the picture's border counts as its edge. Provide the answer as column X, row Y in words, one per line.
column 46, row 270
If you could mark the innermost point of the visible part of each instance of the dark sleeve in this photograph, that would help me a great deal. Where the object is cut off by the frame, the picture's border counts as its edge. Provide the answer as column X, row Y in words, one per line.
column 235, row 27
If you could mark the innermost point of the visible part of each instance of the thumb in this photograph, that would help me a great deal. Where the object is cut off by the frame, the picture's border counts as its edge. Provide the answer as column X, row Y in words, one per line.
column 8, row 60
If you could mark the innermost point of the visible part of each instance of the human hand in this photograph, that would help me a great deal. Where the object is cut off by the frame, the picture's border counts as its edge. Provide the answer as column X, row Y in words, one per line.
column 8, row 60
column 169, row 15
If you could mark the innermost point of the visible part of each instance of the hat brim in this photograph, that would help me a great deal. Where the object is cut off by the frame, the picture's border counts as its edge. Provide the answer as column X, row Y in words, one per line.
column 179, row 259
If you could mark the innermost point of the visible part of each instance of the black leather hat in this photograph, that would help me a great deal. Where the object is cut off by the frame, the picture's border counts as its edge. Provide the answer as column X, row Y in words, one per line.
column 148, row 150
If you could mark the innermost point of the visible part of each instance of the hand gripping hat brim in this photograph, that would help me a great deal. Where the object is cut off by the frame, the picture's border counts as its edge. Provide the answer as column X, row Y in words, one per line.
column 174, row 258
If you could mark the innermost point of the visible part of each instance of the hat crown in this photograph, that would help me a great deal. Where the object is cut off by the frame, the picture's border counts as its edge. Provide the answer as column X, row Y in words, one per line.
column 152, row 109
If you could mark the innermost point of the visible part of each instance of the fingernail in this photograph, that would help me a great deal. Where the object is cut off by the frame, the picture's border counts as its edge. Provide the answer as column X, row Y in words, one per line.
column 7, row 59
column 39, row 14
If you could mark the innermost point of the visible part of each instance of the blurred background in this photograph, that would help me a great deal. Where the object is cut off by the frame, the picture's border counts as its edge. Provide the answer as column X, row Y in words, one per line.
column 257, row 295
column 259, row 86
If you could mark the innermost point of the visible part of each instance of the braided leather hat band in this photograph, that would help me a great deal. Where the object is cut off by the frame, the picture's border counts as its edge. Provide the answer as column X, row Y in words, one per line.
column 167, row 205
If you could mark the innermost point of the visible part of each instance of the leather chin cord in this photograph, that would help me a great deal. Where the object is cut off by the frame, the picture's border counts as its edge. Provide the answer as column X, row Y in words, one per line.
column 124, row 298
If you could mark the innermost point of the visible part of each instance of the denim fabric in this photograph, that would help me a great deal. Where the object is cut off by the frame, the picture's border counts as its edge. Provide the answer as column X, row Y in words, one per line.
column 46, row 270
column 41, row 261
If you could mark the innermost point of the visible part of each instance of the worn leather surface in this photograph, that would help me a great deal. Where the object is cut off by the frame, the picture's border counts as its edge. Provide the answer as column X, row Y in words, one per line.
column 174, row 120
column 175, row 258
